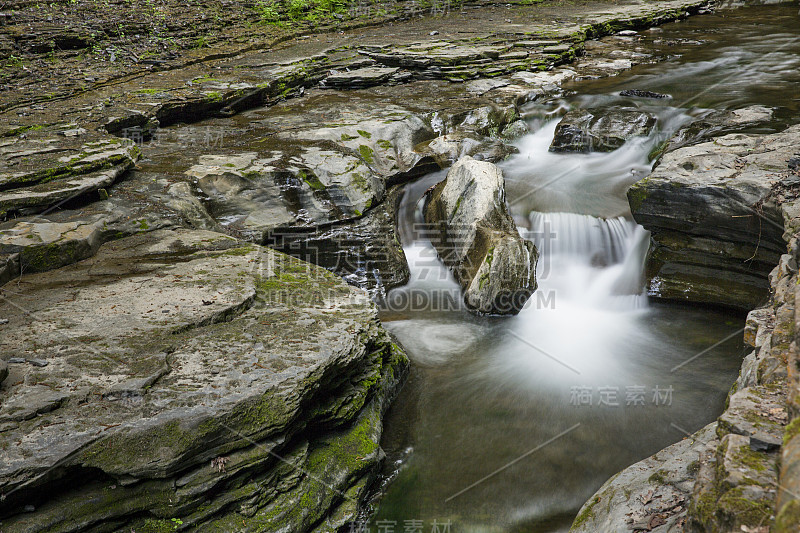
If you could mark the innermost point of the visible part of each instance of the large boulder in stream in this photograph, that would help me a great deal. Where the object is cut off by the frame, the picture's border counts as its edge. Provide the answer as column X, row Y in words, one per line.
column 181, row 379
column 712, row 210
column 477, row 239
column 586, row 131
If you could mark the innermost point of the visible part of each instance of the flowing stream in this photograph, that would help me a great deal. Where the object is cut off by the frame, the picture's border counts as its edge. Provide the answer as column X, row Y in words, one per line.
column 510, row 424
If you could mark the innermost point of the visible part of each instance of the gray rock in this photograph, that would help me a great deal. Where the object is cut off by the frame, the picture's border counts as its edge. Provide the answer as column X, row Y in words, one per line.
column 3, row 370
column 477, row 239
column 712, row 213
column 182, row 199
column 650, row 495
column 366, row 252
column 761, row 442
column 384, row 143
column 45, row 245
column 359, row 78
column 148, row 400
column 714, row 124
column 44, row 168
column 448, row 149
column 489, row 121
column 582, row 130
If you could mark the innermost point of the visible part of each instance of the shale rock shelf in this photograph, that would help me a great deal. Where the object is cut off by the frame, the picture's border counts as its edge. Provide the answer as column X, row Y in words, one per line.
column 183, row 374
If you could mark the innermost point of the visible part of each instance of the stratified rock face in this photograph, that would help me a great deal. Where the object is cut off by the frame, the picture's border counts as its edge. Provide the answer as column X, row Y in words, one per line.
column 712, row 212
column 45, row 167
column 477, row 239
column 584, row 131
column 184, row 375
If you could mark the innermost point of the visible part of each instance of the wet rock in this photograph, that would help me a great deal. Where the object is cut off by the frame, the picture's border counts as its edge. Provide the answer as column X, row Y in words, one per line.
column 488, row 121
column 366, row 252
column 185, row 201
column 637, row 93
column 515, row 130
column 257, row 195
column 477, row 239
column 713, row 124
column 582, row 130
column 448, row 149
column 135, row 404
column 712, row 213
column 650, row 495
column 360, row 78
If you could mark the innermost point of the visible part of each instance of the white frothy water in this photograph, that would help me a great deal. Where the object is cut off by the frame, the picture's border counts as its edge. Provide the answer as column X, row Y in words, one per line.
column 593, row 184
column 584, row 320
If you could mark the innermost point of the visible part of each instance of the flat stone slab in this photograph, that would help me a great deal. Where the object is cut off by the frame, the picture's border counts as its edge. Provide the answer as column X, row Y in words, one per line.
column 43, row 168
column 43, row 245
column 362, row 77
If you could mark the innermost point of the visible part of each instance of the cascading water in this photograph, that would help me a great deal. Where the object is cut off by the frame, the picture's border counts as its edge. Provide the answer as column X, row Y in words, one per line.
column 491, row 389
column 510, row 424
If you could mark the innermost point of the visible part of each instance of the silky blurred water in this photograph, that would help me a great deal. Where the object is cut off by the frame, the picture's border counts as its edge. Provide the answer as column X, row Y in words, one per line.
column 589, row 358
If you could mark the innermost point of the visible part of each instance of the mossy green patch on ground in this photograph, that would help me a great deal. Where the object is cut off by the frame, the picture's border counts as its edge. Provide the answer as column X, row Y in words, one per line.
column 791, row 430
column 735, row 503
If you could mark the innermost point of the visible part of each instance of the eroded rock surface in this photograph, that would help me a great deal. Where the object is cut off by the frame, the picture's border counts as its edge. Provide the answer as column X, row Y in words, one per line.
column 712, row 210
column 477, row 239
column 45, row 167
column 183, row 374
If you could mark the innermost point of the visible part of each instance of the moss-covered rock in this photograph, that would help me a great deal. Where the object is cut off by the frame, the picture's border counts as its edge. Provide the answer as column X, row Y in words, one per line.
column 191, row 398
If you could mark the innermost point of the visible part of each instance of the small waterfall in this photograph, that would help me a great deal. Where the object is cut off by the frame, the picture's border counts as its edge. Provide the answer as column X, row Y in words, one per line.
column 590, row 260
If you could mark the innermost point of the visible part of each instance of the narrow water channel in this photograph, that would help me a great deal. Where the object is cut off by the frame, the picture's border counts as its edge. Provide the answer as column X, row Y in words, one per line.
column 510, row 424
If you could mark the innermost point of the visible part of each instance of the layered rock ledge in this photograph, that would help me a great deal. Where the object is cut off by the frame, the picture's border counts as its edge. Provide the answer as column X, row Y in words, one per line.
column 183, row 379
column 713, row 210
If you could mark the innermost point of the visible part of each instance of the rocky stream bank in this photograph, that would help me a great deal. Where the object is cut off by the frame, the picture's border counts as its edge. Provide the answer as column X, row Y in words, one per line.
column 179, row 349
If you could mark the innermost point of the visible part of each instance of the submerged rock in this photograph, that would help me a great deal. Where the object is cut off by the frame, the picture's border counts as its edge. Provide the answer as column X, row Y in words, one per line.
column 477, row 239
column 638, row 93
column 194, row 377
column 582, row 130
